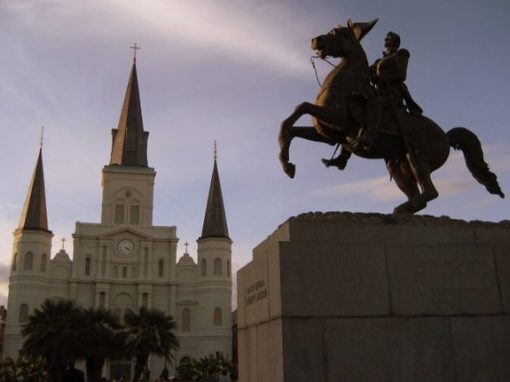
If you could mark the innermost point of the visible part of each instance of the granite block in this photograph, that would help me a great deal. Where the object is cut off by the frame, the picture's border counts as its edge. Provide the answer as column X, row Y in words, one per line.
column 443, row 280
column 482, row 348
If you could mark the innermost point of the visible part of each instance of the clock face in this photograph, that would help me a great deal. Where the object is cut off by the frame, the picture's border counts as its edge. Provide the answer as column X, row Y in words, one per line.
column 125, row 247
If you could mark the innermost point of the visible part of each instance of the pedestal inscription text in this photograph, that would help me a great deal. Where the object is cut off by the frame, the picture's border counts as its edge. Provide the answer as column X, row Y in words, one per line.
column 256, row 292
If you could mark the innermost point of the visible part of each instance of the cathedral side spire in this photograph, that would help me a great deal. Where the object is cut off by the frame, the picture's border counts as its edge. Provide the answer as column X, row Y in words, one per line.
column 215, row 221
column 129, row 140
column 34, row 216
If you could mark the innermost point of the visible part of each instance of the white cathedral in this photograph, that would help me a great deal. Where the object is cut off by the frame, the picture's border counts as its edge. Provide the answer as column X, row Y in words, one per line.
column 125, row 262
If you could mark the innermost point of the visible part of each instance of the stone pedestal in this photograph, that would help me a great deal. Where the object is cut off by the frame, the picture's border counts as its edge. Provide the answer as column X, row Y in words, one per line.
column 369, row 297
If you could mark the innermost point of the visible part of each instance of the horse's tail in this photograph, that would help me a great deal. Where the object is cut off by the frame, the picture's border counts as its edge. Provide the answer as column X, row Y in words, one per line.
column 465, row 140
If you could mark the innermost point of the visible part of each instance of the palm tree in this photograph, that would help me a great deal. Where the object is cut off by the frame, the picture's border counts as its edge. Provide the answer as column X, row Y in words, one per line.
column 102, row 338
column 52, row 334
column 149, row 332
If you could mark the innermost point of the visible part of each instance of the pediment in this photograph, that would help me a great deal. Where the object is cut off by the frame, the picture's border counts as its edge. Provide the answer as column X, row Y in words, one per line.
column 124, row 230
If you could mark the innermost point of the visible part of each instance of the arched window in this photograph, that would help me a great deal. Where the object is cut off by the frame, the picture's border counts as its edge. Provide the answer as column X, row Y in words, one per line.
column 218, row 319
column 134, row 214
column 133, row 272
column 203, row 267
column 146, row 262
column 124, row 272
column 161, row 265
column 23, row 313
column 14, row 262
column 145, row 300
column 29, row 261
column 119, row 214
column 217, row 267
column 102, row 300
column 87, row 266
column 115, row 272
column 186, row 320
column 228, row 268
column 44, row 258
column 185, row 361
column 103, row 259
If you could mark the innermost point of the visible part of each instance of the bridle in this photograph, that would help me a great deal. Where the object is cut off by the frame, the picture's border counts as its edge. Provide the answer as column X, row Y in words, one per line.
column 315, row 69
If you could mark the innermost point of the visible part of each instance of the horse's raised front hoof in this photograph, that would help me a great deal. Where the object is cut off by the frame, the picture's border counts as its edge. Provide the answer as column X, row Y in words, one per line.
column 289, row 169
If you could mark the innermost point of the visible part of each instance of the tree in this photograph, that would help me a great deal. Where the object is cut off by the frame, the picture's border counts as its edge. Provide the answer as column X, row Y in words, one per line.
column 22, row 369
column 51, row 333
column 149, row 332
column 102, row 339
column 208, row 368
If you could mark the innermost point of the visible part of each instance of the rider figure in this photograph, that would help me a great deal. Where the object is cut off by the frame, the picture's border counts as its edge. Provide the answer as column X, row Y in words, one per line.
column 388, row 75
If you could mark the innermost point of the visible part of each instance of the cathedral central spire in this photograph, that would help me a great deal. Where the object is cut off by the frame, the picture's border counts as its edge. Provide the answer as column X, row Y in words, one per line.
column 129, row 140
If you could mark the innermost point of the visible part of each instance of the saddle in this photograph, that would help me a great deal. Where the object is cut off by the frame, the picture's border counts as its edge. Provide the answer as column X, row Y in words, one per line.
column 388, row 125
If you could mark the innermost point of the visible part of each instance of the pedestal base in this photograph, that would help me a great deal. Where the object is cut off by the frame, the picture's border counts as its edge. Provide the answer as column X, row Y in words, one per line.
column 369, row 297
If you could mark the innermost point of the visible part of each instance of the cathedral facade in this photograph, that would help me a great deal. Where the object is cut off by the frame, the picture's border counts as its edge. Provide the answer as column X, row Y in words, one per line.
column 125, row 262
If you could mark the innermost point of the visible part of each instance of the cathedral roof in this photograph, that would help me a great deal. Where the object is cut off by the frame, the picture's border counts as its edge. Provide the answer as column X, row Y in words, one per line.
column 62, row 257
column 129, row 140
column 186, row 259
column 215, row 221
column 34, row 216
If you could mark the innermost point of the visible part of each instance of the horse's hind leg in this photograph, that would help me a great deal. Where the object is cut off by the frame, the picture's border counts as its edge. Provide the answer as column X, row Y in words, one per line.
column 404, row 178
column 421, row 175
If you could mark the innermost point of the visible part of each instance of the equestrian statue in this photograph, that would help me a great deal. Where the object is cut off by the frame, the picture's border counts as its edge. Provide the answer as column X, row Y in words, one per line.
column 369, row 112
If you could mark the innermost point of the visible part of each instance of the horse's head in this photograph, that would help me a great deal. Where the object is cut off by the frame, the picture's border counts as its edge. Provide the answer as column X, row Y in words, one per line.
column 340, row 41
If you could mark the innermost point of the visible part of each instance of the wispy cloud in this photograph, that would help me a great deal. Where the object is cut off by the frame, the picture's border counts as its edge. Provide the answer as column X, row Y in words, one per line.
column 255, row 30
column 498, row 156
column 379, row 188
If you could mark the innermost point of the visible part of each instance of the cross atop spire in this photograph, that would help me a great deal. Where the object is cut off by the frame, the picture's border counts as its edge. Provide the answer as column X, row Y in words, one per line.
column 42, row 136
column 215, row 151
column 63, row 240
column 135, row 47
column 186, row 245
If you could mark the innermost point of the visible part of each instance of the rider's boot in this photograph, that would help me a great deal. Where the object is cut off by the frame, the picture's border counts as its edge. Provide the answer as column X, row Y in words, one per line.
column 368, row 139
column 340, row 161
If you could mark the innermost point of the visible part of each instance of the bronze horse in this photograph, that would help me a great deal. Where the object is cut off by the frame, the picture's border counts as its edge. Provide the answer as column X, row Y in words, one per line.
column 416, row 147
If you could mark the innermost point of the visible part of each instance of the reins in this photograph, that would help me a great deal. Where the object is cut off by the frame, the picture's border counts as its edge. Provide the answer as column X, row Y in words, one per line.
column 315, row 69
